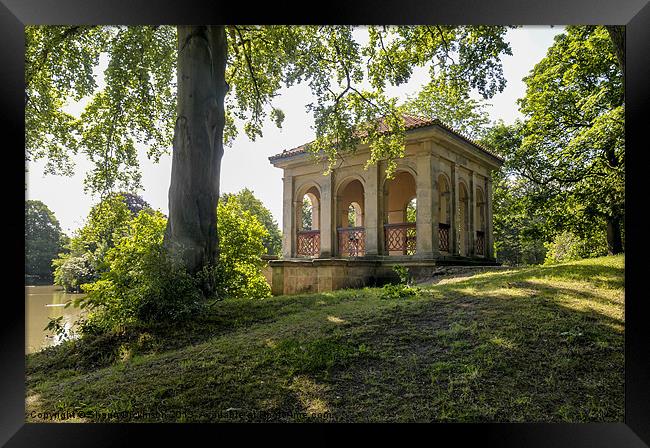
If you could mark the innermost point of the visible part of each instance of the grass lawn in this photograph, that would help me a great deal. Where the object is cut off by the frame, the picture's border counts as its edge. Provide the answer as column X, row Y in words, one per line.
column 528, row 344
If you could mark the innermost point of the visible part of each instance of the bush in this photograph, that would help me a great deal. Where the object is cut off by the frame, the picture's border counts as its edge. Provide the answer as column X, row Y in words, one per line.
column 241, row 237
column 73, row 270
column 140, row 284
column 402, row 290
column 568, row 246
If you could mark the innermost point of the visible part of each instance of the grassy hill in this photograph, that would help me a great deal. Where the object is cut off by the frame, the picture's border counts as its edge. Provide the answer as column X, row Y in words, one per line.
column 527, row 344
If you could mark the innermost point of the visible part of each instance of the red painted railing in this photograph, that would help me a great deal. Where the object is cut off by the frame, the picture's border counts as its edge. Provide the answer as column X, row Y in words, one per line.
column 400, row 237
column 443, row 237
column 352, row 241
column 308, row 244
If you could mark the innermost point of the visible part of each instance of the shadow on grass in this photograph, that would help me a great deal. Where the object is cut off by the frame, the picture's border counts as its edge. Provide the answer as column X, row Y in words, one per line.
column 463, row 352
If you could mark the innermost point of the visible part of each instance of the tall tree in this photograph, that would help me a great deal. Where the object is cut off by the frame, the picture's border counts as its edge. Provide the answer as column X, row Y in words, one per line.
column 248, row 202
column 43, row 240
column 573, row 144
column 451, row 105
column 227, row 75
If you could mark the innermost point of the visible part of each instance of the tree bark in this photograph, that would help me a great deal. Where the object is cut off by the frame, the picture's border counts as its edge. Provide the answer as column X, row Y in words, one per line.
column 617, row 34
column 614, row 236
column 191, row 233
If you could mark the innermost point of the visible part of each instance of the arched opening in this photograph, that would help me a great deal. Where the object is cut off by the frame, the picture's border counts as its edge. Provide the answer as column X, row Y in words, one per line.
column 400, row 214
column 308, row 224
column 463, row 221
column 444, row 213
column 480, row 222
column 350, row 219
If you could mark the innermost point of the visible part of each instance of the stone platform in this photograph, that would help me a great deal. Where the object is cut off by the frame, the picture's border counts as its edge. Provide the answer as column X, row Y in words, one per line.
column 304, row 275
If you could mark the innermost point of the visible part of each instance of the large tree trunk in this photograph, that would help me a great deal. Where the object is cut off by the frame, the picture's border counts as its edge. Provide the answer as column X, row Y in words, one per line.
column 614, row 236
column 191, row 234
column 617, row 34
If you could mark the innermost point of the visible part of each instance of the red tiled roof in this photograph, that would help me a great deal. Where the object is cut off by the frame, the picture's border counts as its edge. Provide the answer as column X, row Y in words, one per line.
column 410, row 122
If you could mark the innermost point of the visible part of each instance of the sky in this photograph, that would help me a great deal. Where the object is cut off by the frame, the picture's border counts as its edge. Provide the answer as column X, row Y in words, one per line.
column 245, row 163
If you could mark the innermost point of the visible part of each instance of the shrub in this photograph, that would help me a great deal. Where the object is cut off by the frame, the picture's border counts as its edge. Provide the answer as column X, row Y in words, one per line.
column 140, row 284
column 73, row 270
column 241, row 237
column 402, row 290
column 567, row 246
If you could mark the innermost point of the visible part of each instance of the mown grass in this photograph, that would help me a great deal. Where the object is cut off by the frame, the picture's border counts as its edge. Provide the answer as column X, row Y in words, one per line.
column 541, row 344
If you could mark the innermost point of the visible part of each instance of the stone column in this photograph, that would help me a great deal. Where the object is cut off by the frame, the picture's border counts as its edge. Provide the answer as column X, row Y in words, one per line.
column 372, row 210
column 489, row 237
column 327, row 218
column 454, row 218
column 427, row 207
column 288, row 217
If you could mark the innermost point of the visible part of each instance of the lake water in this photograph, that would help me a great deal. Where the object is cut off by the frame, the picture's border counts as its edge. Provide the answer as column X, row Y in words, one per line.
column 42, row 303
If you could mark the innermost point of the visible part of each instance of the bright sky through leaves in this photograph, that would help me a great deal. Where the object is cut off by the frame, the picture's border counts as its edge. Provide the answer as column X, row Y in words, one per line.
column 245, row 163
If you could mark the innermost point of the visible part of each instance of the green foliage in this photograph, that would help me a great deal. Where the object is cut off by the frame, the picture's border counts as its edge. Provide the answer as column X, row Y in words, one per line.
column 136, row 106
column 568, row 246
column 411, row 211
column 273, row 241
column 241, row 237
column 137, row 103
column 85, row 260
column 140, row 283
column 573, row 139
column 43, row 240
column 402, row 290
column 306, row 215
column 71, row 270
column 451, row 105
column 402, row 272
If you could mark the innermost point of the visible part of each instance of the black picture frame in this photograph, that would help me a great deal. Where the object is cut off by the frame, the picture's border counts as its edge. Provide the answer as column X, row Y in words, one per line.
column 635, row 14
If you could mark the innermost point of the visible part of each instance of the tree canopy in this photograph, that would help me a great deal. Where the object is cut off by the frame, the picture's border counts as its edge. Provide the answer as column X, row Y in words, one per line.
column 226, row 79
column 137, row 103
column 249, row 203
column 573, row 145
column 43, row 240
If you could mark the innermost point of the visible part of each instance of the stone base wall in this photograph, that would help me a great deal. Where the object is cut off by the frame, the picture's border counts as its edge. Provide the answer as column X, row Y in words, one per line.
column 296, row 276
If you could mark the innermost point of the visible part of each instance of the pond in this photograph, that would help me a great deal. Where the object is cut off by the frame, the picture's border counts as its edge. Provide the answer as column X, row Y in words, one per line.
column 42, row 303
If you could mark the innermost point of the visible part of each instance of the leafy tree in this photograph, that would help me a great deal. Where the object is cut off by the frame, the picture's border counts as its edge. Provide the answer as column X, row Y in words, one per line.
column 273, row 241
column 135, row 203
column 43, row 240
column 240, row 263
column 84, row 260
column 573, row 147
column 141, row 284
column 226, row 75
column 451, row 105
column 519, row 227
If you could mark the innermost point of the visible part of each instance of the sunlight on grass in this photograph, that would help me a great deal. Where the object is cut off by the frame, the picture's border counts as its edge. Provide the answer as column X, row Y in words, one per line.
column 310, row 395
column 336, row 320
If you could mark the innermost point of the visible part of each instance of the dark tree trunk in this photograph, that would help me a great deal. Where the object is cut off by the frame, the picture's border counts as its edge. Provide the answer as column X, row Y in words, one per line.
column 191, row 234
column 614, row 236
column 617, row 34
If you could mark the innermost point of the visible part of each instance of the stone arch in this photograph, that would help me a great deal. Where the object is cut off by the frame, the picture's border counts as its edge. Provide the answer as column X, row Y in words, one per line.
column 398, row 192
column 350, row 193
column 311, row 190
